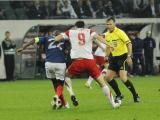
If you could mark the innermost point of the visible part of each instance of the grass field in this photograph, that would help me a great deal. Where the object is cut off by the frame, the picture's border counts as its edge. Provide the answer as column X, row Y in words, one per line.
column 30, row 100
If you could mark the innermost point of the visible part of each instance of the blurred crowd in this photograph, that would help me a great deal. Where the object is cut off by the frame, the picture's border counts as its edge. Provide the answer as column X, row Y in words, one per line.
column 143, row 54
column 50, row 9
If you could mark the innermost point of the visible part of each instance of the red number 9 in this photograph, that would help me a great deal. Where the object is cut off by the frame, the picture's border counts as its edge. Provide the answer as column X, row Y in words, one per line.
column 81, row 38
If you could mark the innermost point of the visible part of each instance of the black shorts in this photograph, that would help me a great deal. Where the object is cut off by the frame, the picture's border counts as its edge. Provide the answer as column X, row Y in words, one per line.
column 117, row 63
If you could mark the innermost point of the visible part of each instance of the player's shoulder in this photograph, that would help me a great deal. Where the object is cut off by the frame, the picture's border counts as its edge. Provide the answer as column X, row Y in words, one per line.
column 120, row 31
column 85, row 30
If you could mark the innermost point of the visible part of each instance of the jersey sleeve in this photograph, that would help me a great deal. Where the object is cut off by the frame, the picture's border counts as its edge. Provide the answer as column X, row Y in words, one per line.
column 65, row 35
column 124, row 37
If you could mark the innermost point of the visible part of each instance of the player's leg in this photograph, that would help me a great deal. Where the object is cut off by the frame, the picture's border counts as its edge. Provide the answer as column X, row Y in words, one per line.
column 60, row 76
column 111, row 74
column 68, row 84
column 72, row 71
column 58, row 99
column 56, row 102
column 112, row 82
column 88, row 83
column 107, row 91
column 95, row 73
column 129, row 85
column 90, row 79
column 58, row 82
column 103, row 65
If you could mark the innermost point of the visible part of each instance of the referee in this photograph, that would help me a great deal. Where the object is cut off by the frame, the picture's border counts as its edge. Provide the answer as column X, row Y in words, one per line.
column 119, row 57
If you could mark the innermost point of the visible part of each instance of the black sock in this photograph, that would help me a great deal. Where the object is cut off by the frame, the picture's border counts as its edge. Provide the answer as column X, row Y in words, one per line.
column 57, row 82
column 130, row 86
column 115, row 87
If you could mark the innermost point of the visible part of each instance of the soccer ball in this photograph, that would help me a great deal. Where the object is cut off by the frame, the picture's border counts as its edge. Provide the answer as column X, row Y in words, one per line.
column 56, row 103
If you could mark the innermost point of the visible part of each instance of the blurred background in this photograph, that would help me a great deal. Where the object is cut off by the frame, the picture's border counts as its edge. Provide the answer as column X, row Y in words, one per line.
column 140, row 19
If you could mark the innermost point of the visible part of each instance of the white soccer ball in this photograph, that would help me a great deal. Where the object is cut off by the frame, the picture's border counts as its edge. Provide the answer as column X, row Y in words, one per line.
column 56, row 103
column 120, row 101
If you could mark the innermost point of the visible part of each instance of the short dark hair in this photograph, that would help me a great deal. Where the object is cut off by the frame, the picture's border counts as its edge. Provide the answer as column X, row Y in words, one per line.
column 111, row 18
column 80, row 24
column 56, row 32
column 7, row 32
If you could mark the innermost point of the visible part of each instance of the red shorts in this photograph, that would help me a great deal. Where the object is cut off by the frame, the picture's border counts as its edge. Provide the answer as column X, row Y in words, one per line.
column 84, row 65
column 100, row 60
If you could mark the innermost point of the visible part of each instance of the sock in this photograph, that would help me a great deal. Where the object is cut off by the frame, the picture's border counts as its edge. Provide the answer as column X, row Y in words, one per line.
column 108, row 93
column 62, row 100
column 130, row 86
column 59, row 90
column 89, row 81
column 68, row 84
column 104, row 72
column 58, row 86
column 54, row 82
column 115, row 87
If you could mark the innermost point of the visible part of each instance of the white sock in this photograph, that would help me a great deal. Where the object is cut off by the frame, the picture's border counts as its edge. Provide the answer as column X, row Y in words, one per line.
column 104, row 72
column 89, row 81
column 68, row 84
column 108, row 93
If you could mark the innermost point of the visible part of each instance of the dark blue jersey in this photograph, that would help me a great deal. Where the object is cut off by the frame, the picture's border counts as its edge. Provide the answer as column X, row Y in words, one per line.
column 54, row 50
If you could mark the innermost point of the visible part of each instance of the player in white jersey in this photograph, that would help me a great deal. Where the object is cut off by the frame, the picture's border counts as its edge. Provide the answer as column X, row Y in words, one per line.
column 81, row 53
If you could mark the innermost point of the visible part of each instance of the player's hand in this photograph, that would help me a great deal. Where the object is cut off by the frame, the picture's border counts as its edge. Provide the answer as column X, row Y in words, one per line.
column 129, row 61
column 19, row 51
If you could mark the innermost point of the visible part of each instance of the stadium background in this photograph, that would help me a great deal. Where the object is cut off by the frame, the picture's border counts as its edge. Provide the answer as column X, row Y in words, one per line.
column 27, row 18
column 21, row 32
column 28, row 97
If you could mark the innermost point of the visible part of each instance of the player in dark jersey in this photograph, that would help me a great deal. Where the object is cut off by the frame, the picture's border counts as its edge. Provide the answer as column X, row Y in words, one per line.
column 55, row 65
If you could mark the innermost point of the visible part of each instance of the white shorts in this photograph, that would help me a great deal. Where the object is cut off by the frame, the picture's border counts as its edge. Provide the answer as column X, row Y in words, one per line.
column 55, row 70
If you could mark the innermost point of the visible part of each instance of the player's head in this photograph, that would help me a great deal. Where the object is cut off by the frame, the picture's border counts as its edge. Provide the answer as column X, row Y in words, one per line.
column 110, row 23
column 80, row 24
column 56, row 32
column 50, row 32
column 148, row 33
column 7, row 34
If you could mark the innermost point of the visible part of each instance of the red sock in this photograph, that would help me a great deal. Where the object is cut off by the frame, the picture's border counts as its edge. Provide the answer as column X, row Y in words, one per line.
column 59, row 90
column 62, row 100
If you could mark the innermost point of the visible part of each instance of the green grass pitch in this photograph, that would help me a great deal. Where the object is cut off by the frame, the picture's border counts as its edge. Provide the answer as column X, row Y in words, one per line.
column 30, row 100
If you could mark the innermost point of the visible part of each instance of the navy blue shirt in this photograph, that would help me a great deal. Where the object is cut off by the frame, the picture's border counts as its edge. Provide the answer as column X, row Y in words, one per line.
column 137, row 46
column 54, row 50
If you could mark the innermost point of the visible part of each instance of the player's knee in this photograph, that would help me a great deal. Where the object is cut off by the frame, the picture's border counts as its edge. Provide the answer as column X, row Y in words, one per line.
column 108, row 78
column 100, row 81
column 123, row 78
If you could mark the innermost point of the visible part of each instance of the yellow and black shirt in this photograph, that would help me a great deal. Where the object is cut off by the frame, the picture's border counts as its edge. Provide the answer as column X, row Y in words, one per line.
column 118, row 40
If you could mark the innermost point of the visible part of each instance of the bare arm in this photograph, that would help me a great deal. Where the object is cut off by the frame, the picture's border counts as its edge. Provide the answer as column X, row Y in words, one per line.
column 129, row 47
column 25, row 46
column 101, row 39
column 108, row 51
column 59, row 37
column 129, row 60
column 99, row 44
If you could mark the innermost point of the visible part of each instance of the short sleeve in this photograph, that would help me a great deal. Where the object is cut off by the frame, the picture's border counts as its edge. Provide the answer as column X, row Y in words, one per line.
column 124, row 37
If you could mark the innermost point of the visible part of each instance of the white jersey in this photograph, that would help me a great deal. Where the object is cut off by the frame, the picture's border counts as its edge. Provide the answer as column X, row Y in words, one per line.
column 81, row 42
column 99, row 51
